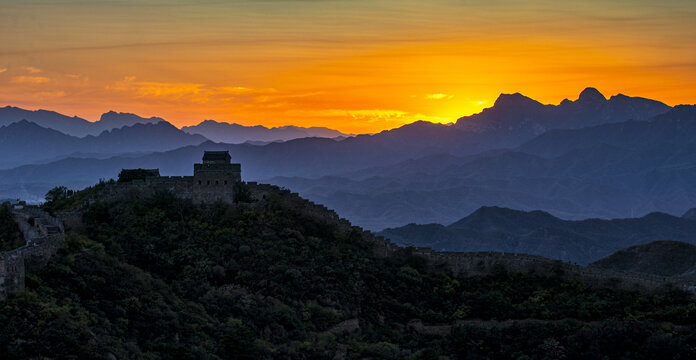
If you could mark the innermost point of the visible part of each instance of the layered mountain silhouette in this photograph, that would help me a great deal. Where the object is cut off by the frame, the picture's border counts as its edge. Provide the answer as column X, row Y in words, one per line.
column 540, row 233
column 516, row 118
column 589, row 164
column 673, row 128
column 237, row 134
column 663, row 258
column 613, row 170
column 25, row 142
column 74, row 126
column 210, row 129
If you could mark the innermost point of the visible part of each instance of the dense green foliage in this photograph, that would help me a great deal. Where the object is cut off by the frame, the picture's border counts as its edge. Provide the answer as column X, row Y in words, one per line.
column 161, row 278
column 10, row 235
column 60, row 199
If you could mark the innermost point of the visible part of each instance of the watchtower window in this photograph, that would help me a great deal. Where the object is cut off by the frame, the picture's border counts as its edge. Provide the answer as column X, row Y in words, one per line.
column 225, row 182
column 199, row 182
column 217, row 182
column 207, row 182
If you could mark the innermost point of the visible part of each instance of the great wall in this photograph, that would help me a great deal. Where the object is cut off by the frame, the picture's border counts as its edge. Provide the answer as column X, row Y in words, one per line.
column 44, row 238
column 483, row 263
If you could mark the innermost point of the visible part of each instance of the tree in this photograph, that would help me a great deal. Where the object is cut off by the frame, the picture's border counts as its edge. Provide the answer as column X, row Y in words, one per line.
column 56, row 194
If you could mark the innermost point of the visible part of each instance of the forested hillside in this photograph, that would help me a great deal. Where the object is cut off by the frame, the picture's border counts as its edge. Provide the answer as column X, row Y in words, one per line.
column 158, row 277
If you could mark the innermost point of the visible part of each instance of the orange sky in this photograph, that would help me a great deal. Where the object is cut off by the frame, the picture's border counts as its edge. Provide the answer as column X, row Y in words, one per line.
column 356, row 66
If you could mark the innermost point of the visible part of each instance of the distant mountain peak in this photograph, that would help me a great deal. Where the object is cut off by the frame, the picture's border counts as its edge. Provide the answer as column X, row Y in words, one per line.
column 421, row 124
column 234, row 133
column 516, row 99
column 690, row 214
column 487, row 211
column 497, row 218
column 27, row 125
column 591, row 94
column 127, row 118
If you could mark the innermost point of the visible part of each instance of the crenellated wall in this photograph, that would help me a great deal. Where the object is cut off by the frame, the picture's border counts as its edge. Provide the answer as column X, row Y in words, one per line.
column 41, row 243
column 467, row 263
column 187, row 187
column 483, row 263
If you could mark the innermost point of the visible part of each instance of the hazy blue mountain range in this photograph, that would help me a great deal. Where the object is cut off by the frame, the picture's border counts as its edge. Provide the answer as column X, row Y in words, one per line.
column 74, row 126
column 643, row 166
column 237, row 134
column 664, row 258
column 425, row 172
column 673, row 127
column 216, row 131
column 25, row 142
column 540, row 233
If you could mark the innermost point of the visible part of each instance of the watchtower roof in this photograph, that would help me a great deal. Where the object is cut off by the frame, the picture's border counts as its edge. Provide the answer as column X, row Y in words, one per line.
column 217, row 156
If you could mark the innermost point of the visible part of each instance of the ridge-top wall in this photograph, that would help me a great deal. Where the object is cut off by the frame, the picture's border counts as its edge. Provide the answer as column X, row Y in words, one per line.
column 40, row 246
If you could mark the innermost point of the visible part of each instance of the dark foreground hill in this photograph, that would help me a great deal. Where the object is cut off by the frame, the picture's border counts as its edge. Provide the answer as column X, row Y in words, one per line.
column 665, row 258
column 158, row 277
column 539, row 233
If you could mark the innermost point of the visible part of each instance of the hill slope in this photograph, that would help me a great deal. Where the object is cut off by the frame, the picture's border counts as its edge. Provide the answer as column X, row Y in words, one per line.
column 159, row 277
column 665, row 258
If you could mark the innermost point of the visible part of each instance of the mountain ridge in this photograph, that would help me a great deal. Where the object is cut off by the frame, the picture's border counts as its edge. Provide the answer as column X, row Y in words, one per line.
column 492, row 228
column 25, row 142
column 232, row 133
column 662, row 257
column 528, row 117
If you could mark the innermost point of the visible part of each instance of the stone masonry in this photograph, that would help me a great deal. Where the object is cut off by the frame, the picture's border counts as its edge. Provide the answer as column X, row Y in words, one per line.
column 215, row 178
column 42, row 241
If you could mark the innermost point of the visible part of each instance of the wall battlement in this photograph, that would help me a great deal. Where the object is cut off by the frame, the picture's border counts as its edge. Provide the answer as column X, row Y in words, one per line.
column 215, row 178
column 483, row 263
column 42, row 241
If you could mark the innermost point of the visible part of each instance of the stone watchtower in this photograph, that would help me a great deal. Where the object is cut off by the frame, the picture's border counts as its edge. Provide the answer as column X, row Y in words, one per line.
column 216, row 176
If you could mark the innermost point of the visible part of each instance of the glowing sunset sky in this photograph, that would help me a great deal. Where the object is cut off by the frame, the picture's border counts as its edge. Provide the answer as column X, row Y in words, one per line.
column 357, row 66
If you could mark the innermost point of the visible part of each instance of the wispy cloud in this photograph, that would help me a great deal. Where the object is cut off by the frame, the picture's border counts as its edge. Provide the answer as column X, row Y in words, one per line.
column 439, row 96
column 385, row 116
column 156, row 89
column 51, row 94
column 30, row 79
column 78, row 79
column 202, row 93
column 31, row 69
column 2, row 70
column 277, row 97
